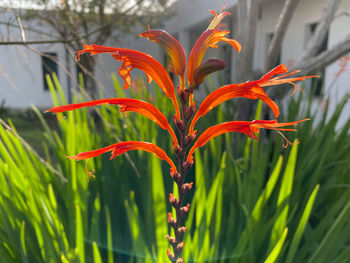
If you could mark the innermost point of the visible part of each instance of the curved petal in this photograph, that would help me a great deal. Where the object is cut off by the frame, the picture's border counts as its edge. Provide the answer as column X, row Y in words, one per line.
column 171, row 46
column 139, row 106
column 208, row 39
column 220, row 95
column 135, row 59
column 122, row 147
column 246, row 127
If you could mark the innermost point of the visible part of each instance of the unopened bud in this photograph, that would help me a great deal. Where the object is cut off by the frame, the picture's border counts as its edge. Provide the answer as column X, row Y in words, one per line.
column 180, row 246
column 187, row 165
column 182, row 229
column 170, row 255
column 172, row 240
column 177, row 150
column 180, row 260
column 171, row 220
column 186, row 187
column 206, row 68
column 189, row 138
column 173, row 200
column 189, row 112
column 179, row 124
column 184, row 210
column 176, row 176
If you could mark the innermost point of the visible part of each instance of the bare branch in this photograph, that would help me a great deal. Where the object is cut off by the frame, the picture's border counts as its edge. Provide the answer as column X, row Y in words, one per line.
column 280, row 31
column 327, row 57
column 23, row 35
column 320, row 34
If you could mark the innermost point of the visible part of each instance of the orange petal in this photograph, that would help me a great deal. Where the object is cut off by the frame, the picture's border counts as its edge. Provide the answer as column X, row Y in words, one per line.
column 208, row 39
column 246, row 127
column 122, row 147
column 213, row 131
column 139, row 106
column 171, row 46
column 246, row 90
column 135, row 59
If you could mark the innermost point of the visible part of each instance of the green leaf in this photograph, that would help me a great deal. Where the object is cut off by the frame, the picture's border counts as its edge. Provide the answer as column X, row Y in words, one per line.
column 277, row 249
column 301, row 226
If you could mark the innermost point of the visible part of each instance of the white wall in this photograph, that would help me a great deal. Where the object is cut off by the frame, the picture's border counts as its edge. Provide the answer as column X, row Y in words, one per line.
column 21, row 77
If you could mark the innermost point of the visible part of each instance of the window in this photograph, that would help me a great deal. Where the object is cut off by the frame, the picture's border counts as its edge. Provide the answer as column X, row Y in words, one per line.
column 317, row 83
column 49, row 65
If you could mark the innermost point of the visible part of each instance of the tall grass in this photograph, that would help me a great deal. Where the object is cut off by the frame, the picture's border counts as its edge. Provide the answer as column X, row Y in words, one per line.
column 252, row 201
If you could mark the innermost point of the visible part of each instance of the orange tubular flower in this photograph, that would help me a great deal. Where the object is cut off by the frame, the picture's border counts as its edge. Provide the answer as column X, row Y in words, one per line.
column 246, row 127
column 228, row 92
column 139, row 106
column 173, row 49
column 122, row 147
column 208, row 39
column 135, row 59
column 250, row 90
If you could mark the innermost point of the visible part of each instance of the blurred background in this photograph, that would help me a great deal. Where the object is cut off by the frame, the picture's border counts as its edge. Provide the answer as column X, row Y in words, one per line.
column 252, row 201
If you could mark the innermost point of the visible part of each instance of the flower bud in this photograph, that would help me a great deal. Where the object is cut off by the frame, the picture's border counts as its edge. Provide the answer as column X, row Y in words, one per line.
column 189, row 138
column 180, row 260
column 206, row 68
column 186, row 187
column 173, row 200
column 184, row 210
column 171, row 220
column 189, row 112
column 180, row 246
column 182, row 230
column 170, row 255
column 172, row 240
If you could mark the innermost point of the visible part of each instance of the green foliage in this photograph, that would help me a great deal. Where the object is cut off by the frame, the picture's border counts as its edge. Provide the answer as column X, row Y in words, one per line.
column 252, row 201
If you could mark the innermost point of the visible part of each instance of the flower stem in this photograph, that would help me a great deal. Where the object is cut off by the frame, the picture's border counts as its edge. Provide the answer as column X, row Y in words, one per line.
column 181, row 211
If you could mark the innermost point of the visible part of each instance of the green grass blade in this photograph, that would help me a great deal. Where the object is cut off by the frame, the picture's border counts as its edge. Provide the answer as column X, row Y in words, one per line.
column 302, row 223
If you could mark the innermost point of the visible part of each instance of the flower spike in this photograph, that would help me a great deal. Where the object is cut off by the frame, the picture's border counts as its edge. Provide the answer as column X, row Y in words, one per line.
column 135, row 59
column 122, row 147
column 248, row 128
column 139, row 106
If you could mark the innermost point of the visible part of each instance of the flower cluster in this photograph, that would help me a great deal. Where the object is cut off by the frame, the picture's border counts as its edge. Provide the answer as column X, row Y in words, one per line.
column 186, row 115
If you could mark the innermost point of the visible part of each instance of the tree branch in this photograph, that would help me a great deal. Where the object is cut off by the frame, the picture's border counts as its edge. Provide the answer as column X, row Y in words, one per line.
column 280, row 31
column 327, row 57
column 322, row 28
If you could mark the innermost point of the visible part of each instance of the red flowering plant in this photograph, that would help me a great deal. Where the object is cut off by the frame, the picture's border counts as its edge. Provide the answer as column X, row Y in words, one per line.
column 186, row 115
